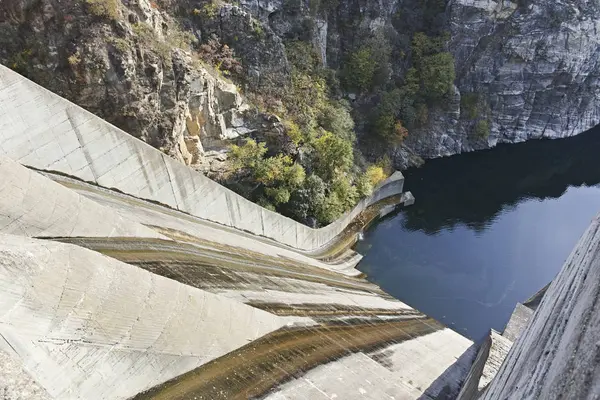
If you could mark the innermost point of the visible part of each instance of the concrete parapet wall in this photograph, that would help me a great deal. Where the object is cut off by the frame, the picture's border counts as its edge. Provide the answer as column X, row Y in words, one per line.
column 557, row 356
column 44, row 131
column 89, row 327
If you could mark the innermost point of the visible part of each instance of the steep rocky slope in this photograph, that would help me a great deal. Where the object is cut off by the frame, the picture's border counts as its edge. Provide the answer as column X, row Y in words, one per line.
column 533, row 65
column 524, row 70
column 529, row 70
column 130, row 64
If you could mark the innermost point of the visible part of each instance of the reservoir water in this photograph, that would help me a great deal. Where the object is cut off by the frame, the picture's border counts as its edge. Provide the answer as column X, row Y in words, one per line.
column 488, row 229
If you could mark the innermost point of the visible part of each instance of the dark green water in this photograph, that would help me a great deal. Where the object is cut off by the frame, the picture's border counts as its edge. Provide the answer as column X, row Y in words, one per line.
column 488, row 230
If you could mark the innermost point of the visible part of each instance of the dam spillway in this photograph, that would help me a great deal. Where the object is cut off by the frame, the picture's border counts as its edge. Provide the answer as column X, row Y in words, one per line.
column 125, row 274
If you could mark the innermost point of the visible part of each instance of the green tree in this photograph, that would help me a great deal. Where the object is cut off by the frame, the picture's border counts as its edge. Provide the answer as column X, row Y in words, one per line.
column 247, row 156
column 360, row 69
column 386, row 123
column 331, row 209
column 345, row 191
column 437, row 73
column 271, row 170
column 279, row 175
column 333, row 155
column 335, row 117
column 308, row 199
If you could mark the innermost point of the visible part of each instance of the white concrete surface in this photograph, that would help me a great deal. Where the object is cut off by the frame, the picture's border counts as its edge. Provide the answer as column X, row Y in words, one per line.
column 33, row 205
column 491, row 355
column 86, row 326
column 430, row 362
column 518, row 322
column 148, row 213
column 316, row 293
column 15, row 383
column 557, row 356
column 45, row 131
column 415, row 369
column 353, row 377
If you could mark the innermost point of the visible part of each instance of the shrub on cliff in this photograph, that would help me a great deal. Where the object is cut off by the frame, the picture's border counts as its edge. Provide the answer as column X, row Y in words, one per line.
column 482, row 129
column 220, row 56
column 433, row 67
column 104, row 8
column 333, row 156
column 335, row 117
column 277, row 176
column 360, row 69
column 437, row 73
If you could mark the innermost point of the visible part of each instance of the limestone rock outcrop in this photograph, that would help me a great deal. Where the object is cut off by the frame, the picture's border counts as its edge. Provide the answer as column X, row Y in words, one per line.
column 128, row 71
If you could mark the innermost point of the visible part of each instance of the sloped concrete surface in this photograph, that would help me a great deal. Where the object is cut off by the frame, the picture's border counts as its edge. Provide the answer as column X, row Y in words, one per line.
column 33, row 205
column 87, row 326
column 154, row 282
column 491, row 355
column 42, row 130
column 15, row 383
column 147, row 213
column 408, row 370
column 517, row 322
column 556, row 357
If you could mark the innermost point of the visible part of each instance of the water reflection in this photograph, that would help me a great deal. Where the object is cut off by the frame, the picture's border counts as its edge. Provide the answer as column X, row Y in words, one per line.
column 472, row 189
column 488, row 230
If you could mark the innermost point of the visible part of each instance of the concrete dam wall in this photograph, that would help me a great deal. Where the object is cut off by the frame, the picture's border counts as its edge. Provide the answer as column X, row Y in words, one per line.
column 557, row 356
column 124, row 274
column 42, row 130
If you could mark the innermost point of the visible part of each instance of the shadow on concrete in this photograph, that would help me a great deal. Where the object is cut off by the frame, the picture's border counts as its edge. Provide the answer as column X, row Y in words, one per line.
column 448, row 384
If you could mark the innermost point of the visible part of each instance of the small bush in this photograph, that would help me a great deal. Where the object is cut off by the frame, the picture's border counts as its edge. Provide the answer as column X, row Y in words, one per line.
column 421, row 114
column 375, row 174
column 248, row 155
column 220, row 56
column 367, row 181
column 469, row 104
column 120, row 44
column 210, row 10
column 293, row 131
column 360, row 68
column 104, row 8
column 146, row 36
column 74, row 59
column 302, row 56
column 482, row 129
column 335, row 117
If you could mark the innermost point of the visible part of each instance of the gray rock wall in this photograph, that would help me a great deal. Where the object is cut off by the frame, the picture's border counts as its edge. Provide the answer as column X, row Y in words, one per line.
column 534, row 66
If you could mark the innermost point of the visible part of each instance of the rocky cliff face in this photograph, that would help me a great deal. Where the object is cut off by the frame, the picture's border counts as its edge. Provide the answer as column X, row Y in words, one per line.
column 524, row 70
column 534, row 68
column 529, row 70
column 125, row 63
